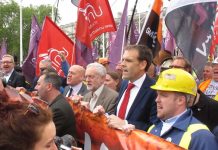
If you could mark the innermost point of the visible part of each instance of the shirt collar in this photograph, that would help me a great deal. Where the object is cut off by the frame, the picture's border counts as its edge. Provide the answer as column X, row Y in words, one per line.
column 173, row 119
column 99, row 90
column 138, row 83
column 77, row 87
column 9, row 74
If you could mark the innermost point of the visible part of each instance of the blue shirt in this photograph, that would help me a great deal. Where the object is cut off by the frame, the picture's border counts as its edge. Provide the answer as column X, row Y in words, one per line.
column 200, row 140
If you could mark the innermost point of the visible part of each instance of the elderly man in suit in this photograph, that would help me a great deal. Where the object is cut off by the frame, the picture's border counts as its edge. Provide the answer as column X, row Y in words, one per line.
column 136, row 102
column 11, row 77
column 48, row 87
column 99, row 93
column 75, row 83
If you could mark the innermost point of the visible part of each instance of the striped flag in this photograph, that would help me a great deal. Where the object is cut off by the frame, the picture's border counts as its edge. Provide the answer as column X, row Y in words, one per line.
column 151, row 34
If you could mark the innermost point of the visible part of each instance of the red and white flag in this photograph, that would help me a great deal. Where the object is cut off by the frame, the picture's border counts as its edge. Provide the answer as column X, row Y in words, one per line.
column 53, row 40
column 94, row 18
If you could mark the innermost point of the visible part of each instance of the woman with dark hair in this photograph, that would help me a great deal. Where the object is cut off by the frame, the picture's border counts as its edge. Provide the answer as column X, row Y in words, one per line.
column 113, row 80
column 26, row 127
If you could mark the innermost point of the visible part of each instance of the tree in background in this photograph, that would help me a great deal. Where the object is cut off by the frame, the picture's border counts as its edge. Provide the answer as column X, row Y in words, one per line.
column 10, row 24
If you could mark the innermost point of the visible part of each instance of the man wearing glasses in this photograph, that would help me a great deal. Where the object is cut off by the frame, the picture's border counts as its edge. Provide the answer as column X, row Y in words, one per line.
column 11, row 77
column 203, row 107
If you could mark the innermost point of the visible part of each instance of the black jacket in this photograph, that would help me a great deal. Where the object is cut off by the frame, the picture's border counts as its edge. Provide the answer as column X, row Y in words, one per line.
column 63, row 116
column 206, row 111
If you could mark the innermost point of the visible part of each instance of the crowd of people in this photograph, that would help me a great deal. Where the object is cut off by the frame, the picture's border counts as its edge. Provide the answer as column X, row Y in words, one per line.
column 168, row 102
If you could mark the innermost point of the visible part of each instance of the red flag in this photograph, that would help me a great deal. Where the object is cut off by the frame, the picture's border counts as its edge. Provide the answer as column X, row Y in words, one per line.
column 215, row 36
column 94, row 18
column 52, row 41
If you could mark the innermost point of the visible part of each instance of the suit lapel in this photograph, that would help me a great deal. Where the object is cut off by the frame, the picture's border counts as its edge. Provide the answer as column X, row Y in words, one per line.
column 66, row 90
column 10, row 80
column 101, row 97
column 142, row 91
column 121, row 92
column 82, row 89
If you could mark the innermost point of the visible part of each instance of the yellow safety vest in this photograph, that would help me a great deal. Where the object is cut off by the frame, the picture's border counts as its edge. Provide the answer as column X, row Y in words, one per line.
column 186, row 138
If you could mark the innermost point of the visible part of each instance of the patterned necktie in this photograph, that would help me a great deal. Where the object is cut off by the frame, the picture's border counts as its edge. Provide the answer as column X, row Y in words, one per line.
column 122, row 111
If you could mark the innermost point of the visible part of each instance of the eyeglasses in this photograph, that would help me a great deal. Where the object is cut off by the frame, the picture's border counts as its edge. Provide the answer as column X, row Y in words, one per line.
column 32, row 108
column 6, row 62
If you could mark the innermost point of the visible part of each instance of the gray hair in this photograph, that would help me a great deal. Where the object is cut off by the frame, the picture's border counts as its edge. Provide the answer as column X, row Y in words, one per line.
column 99, row 68
column 46, row 61
column 10, row 56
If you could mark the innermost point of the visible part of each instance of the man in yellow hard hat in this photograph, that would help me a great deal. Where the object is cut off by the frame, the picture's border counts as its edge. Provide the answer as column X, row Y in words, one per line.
column 175, row 88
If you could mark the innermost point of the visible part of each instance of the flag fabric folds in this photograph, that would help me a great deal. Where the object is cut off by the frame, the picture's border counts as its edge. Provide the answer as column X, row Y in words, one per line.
column 83, row 54
column 116, row 48
column 134, row 35
column 3, row 48
column 169, row 43
column 53, row 40
column 151, row 34
column 91, row 23
column 215, row 37
column 191, row 23
column 29, row 65
column 94, row 18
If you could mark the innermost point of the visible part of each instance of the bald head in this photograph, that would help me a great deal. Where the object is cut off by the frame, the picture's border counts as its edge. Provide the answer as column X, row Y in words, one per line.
column 75, row 75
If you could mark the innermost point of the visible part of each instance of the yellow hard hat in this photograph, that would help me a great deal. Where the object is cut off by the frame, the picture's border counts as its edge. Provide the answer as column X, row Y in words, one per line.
column 176, row 80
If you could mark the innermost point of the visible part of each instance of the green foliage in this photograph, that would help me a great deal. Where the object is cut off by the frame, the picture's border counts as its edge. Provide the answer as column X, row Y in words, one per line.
column 10, row 24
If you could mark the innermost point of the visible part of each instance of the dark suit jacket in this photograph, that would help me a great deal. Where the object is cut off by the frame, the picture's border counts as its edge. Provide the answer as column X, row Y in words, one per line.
column 16, row 80
column 63, row 116
column 82, row 91
column 143, row 112
column 107, row 99
column 206, row 110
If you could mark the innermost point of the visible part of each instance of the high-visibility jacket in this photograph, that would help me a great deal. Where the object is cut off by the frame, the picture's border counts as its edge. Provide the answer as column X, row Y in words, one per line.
column 204, row 85
column 188, row 133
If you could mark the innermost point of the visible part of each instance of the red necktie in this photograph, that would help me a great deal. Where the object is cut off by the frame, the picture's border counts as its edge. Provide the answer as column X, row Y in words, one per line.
column 124, row 104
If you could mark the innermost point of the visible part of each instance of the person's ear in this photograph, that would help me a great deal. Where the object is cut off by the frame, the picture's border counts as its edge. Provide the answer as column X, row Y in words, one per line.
column 143, row 64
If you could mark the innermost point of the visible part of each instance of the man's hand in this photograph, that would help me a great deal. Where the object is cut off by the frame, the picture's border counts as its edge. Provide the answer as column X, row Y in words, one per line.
column 76, row 98
column 99, row 110
column 21, row 89
column 127, row 129
column 115, row 122
column 63, row 57
column 85, row 104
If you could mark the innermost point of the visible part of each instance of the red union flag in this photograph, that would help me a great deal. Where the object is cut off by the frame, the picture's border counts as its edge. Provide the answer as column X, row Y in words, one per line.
column 94, row 18
column 53, row 40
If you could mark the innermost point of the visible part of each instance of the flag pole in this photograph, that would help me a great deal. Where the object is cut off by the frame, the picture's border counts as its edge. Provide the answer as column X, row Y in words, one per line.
column 131, row 20
column 103, row 43
column 21, row 35
column 56, row 13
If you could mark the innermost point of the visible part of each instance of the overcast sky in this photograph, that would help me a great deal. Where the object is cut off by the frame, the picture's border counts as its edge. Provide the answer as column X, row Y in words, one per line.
column 68, row 12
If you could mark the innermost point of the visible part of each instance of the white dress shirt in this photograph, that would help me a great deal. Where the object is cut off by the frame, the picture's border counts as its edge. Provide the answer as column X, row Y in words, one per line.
column 133, row 93
column 8, row 75
column 76, row 89
column 95, row 97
